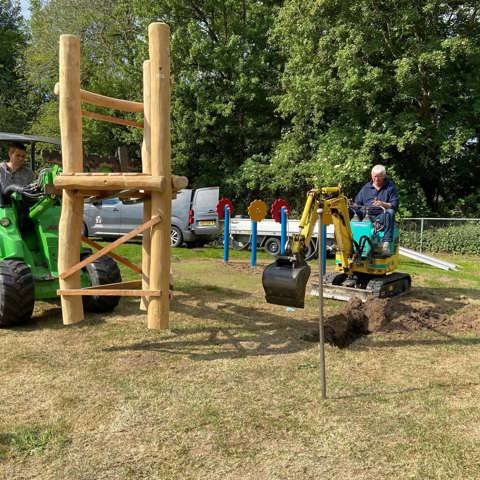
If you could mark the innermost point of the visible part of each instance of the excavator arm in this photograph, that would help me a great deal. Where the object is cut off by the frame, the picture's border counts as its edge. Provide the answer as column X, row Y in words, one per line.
column 335, row 211
column 285, row 280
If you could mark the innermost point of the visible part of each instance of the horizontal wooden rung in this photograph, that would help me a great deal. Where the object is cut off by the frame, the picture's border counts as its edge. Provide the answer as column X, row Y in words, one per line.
column 104, row 174
column 107, row 102
column 110, row 182
column 110, row 119
column 113, row 286
column 106, row 292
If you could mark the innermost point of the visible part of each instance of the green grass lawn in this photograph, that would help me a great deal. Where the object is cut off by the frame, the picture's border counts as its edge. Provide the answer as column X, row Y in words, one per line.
column 231, row 391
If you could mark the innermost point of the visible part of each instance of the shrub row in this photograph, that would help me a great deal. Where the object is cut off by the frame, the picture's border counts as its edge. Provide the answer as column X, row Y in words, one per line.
column 462, row 239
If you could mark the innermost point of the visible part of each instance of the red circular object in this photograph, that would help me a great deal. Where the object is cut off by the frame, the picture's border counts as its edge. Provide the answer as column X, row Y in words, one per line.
column 276, row 209
column 221, row 207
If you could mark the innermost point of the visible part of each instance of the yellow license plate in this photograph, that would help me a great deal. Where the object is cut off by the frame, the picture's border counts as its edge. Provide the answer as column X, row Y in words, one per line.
column 207, row 222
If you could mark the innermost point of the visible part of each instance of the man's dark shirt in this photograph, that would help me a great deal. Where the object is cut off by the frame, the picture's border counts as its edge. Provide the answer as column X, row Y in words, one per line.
column 22, row 176
column 388, row 193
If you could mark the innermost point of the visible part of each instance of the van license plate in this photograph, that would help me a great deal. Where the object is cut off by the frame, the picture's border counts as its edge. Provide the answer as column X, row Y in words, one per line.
column 207, row 222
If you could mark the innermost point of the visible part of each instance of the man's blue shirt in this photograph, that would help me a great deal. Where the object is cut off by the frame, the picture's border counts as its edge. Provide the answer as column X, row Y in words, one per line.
column 388, row 193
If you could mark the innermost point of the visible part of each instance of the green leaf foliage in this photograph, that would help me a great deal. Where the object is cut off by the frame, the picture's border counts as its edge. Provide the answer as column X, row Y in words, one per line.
column 391, row 82
column 16, row 100
column 224, row 73
column 271, row 98
column 460, row 239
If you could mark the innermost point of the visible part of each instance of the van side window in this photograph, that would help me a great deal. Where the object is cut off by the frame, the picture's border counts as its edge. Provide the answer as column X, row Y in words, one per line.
column 110, row 201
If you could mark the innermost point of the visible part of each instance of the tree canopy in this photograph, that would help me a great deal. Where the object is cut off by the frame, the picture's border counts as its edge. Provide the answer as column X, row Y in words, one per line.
column 391, row 82
column 273, row 97
column 15, row 102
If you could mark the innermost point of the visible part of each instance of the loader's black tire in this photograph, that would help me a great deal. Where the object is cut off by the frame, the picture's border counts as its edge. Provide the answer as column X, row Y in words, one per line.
column 17, row 294
column 100, row 272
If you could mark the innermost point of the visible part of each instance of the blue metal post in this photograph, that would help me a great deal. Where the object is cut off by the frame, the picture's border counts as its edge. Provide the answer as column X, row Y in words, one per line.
column 253, row 258
column 283, row 231
column 226, row 232
column 324, row 248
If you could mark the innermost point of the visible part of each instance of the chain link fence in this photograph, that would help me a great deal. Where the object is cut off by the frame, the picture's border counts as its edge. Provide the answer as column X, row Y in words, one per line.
column 450, row 235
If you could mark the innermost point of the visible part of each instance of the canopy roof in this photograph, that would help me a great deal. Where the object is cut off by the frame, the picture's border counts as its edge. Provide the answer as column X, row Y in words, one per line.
column 17, row 137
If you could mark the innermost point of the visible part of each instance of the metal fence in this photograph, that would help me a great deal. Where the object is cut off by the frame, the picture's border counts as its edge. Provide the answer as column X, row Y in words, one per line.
column 414, row 231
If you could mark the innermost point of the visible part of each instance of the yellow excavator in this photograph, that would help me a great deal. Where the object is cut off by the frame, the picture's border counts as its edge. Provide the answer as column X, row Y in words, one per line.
column 362, row 268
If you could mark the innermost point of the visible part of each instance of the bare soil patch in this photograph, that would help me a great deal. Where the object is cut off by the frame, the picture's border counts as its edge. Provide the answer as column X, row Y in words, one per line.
column 245, row 267
column 400, row 314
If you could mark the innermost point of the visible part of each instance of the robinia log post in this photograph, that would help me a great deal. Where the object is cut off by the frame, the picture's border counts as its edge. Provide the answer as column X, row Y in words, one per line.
column 71, row 219
column 146, row 168
column 159, row 52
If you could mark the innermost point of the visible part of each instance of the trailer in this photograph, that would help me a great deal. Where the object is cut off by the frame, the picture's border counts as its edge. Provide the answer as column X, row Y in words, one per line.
column 269, row 233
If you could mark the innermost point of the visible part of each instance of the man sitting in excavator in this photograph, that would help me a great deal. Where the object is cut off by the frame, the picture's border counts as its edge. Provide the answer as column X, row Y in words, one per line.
column 380, row 197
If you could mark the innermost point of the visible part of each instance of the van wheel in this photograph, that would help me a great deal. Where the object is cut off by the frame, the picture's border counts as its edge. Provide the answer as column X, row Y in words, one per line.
column 176, row 237
column 272, row 246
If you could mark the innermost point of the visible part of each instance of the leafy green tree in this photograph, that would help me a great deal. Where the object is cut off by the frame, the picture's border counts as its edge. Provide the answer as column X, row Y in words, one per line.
column 14, row 97
column 110, row 64
column 224, row 75
column 393, row 82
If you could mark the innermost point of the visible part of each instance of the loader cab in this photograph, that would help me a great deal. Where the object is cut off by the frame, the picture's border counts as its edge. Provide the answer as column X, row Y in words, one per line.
column 31, row 142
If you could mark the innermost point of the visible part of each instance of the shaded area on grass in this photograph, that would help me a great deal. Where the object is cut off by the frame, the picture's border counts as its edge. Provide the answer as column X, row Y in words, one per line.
column 247, row 330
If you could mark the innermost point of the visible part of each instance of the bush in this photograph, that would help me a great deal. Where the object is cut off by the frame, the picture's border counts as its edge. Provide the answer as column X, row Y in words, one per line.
column 462, row 239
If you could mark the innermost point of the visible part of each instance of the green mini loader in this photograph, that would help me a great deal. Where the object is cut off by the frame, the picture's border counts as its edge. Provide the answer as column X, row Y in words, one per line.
column 29, row 219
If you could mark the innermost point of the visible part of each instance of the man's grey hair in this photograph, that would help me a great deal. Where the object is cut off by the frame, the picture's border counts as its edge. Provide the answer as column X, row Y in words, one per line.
column 379, row 169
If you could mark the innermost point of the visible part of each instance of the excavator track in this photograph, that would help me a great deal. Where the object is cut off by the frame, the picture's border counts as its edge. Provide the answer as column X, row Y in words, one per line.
column 392, row 285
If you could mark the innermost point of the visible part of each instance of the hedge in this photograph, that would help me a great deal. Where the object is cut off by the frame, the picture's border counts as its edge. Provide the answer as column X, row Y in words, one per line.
column 461, row 239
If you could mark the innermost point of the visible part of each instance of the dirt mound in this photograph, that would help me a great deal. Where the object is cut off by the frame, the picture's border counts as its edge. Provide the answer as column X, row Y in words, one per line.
column 394, row 315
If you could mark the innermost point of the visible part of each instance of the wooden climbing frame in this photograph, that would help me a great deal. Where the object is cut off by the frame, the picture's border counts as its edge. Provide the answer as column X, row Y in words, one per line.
column 155, row 184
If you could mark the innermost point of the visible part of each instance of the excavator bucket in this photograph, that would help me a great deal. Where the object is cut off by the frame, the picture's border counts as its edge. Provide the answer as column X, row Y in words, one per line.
column 285, row 281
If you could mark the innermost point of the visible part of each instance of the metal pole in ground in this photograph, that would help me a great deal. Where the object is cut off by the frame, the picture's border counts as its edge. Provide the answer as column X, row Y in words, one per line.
column 226, row 232
column 320, row 305
column 283, row 231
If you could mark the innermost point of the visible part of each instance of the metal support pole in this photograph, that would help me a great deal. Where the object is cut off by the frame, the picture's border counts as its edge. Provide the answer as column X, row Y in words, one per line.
column 323, row 250
column 283, row 231
column 320, row 305
column 253, row 257
column 226, row 232
column 421, row 235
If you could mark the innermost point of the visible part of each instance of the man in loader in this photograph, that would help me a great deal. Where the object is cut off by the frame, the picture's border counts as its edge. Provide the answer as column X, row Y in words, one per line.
column 15, row 171
column 380, row 196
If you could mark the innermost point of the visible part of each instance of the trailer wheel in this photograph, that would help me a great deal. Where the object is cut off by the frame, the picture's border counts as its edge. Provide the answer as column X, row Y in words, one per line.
column 272, row 246
column 238, row 244
column 17, row 295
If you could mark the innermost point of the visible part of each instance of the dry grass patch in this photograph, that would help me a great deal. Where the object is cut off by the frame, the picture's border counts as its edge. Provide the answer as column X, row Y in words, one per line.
column 232, row 392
